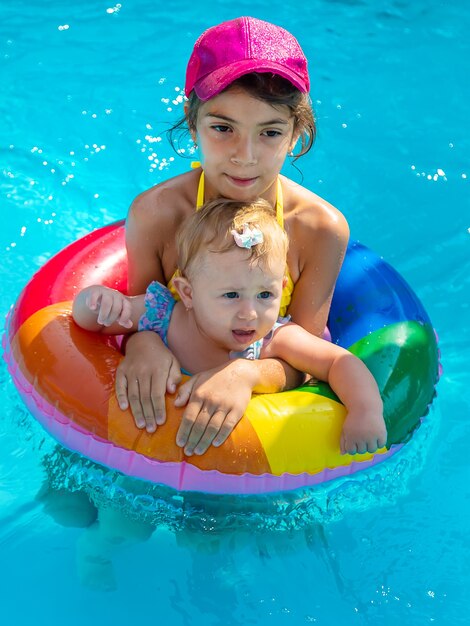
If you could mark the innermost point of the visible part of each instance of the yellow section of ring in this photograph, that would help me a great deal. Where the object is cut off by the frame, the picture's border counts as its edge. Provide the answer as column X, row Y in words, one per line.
column 300, row 432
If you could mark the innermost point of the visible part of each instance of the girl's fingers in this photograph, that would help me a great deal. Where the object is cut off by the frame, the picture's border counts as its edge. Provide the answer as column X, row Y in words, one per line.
column 212, row 430
column 184, row 393
column 174, row 377
column 133, row 394
column 156, row 397
column 193, row 424
column 145, row 403
column 121, row 390
column 227, row 427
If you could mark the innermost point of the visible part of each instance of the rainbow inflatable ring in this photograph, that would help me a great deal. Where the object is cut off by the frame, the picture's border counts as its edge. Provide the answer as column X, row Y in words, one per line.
column 65, row 376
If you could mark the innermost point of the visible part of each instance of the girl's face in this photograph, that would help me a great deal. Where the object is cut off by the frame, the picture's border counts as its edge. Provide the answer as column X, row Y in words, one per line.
column 234, row 302
column 243, row 144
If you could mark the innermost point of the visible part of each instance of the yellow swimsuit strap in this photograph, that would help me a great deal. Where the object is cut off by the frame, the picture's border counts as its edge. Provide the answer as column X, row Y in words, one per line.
column 289, row 288
column 279, row 200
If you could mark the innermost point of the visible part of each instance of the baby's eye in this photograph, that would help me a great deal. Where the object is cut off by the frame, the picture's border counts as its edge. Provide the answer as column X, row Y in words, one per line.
column 264, row 295
column 231, row 295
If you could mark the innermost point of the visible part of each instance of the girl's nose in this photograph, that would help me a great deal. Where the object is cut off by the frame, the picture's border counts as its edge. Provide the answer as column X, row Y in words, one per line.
column 244, row 152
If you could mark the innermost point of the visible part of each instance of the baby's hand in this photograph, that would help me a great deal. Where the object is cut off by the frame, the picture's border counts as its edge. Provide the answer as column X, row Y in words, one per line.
column 111, row 306
column 363, row 431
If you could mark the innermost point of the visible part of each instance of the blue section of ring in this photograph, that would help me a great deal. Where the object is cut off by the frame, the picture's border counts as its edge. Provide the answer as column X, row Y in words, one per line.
column 370, row 295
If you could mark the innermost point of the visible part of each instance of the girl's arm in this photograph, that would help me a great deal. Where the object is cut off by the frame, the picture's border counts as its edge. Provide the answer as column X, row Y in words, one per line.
column 143, row 252
column 364, row 428
column 217, row 399
column 318, row 235
column 105, row 310
column 149, row 369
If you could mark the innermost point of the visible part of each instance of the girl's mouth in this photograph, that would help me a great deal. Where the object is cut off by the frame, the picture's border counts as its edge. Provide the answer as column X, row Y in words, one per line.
column 241, row 182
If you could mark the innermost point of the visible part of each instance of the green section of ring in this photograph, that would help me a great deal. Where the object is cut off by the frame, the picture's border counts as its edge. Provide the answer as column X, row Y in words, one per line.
column 403, row 359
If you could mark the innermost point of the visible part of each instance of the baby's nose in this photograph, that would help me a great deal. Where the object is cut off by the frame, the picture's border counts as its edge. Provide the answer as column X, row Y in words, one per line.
column 247, row 310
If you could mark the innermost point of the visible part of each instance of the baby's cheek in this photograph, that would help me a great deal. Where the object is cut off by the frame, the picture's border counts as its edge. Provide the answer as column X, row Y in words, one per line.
column 271, row 319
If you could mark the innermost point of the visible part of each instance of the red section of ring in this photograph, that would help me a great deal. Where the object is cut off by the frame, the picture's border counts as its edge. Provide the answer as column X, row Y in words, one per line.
column 99, row 257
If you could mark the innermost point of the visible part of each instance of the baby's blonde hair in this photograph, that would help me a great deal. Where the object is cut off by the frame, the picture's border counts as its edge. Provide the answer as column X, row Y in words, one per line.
column 209, row 230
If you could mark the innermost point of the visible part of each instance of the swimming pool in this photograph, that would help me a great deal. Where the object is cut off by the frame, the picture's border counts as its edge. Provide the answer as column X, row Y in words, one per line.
column 87, row 93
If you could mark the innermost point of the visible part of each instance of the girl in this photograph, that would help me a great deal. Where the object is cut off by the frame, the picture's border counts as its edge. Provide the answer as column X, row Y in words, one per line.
column 248, row 108
column 232, row 267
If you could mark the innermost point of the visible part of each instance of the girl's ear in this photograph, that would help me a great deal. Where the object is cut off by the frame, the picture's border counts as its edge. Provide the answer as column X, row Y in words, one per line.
column 192, row 131
column 293, row 141
column 185, row 291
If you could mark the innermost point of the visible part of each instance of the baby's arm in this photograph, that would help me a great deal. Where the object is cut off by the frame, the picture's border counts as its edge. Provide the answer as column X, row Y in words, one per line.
column 364, row 428
column 106, row 310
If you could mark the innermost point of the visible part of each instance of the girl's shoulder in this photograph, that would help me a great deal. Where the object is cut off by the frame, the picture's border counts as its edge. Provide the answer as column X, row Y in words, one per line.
column 169, row 200
column 307, row 213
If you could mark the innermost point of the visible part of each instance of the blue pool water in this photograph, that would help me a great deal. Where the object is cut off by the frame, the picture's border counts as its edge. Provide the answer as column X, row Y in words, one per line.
column 88, row 90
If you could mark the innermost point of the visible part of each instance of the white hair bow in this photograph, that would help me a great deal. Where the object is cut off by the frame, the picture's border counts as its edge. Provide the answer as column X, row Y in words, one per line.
column 249, row 237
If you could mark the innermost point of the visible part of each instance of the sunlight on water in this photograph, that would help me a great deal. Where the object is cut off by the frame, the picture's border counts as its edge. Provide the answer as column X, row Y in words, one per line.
column 89, row 90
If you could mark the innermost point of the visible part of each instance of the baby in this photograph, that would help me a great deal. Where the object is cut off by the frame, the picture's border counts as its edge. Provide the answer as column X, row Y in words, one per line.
column 232, row 259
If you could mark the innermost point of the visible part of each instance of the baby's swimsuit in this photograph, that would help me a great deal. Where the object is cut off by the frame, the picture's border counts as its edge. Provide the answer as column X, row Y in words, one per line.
column 289, row 288
column 159, row 305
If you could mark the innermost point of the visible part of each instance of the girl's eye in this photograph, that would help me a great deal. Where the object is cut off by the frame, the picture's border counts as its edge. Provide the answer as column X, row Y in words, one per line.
column 264, row 295
column 221, row 128
column 230, row 295
column 272, row 133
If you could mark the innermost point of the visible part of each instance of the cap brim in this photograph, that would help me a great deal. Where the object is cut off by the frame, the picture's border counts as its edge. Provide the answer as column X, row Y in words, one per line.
column 218, row 80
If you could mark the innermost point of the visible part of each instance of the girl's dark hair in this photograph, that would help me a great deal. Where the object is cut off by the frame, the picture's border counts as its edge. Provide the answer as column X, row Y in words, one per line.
column 270, row 88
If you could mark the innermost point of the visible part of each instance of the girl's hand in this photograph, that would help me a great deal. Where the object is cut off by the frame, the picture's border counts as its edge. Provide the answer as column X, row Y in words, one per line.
column 109, row 305
column 216, row 401
column 148, row 371
column 363, row 431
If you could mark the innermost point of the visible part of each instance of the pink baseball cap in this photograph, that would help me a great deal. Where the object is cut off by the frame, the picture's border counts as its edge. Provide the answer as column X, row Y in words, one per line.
column 232, row 49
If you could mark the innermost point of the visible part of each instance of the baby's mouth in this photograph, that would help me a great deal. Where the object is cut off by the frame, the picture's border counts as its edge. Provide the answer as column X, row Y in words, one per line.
column 243, row 336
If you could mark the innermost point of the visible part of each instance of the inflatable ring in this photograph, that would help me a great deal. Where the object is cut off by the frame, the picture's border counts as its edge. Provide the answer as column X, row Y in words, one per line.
column 65, row 376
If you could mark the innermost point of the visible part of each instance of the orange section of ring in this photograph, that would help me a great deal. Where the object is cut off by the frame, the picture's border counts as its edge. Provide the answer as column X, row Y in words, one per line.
column 74, row 370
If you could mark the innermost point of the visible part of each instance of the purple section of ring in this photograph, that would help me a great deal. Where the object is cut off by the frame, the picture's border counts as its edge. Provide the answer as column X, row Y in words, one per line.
column 181, row 476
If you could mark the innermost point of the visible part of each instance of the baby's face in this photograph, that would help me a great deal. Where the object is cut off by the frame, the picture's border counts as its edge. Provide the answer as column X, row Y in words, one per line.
column 236, row 302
